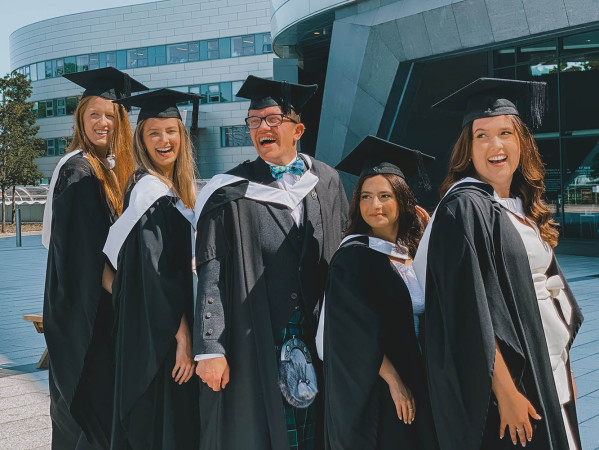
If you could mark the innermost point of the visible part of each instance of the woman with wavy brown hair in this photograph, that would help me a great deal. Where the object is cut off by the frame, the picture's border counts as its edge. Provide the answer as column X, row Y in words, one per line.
column 500, row 316
column 150, row 246
column 84, row 199
column 375, row 385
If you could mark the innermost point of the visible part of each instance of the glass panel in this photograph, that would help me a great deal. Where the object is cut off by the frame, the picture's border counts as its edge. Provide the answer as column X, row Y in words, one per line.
column 59, row 67
column 235, row 136
column 41, row 110
column 547, row 73
column 581, row 187
column 151, row 56
column 213, row 93
column 177, row 53
column 102, row 58
column 41, row 70
column 110, row 59
column 235, row 86
column 137, row 57
column 224, row 48
column 49, row 108
column 579, row 78
column 248, row 45
column 70, row 64
column 61, row 107
column 82, row 63
column 94, row 62
column 194, row 51
column 539, row 52
column 160, row 55
column 225, row 90
column 549, row 150
column 121, row 59
column 509, row 73
column 504, row 57
column 62, row 143
column 33, row 72
column 266, row 43
column 212, row 49
column 584, row 42
column 203, row 50
column 50, row 147
column 71, row 104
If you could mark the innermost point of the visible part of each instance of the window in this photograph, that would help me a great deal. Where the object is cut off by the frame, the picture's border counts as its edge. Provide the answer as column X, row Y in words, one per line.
column 213, row 52
column 50, row 147
column 137, row 57
column 212, row 92
column 71, row 104
column 181, row 53
column 33, row 72
column 121, row 59
column 157, row 55
column 49, row 108
column 225, row 92
column 235, row 86
column 236, row 136
column 94, row 61
column 49, row 72
column 63, row 142
column 70, row 65
column 58, row 66
column 61, row 107
column 224, row 48
column 82, row 63
column 242, row 46
column 266, row 43
column 41, row 70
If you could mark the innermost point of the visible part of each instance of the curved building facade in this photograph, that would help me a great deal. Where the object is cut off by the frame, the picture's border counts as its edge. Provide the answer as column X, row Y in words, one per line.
column 206, row 47
column 383, row 63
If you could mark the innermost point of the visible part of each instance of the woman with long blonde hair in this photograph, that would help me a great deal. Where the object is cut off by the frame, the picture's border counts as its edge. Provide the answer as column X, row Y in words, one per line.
column 84, row 199
column 500, row 318
column 150, row 247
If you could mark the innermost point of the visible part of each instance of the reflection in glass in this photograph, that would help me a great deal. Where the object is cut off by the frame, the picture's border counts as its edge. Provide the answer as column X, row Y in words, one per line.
column 504, row 57
column 581, row 187
column 235, row 136
column 583, row 42
column 579, row 82
column 538, row 52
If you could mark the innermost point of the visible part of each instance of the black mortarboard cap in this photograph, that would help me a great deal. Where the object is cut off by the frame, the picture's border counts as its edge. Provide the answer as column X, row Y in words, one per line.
column 162, row 104
column 490, row 97
column 263, row 93
column 108, row 83
column 376, row 156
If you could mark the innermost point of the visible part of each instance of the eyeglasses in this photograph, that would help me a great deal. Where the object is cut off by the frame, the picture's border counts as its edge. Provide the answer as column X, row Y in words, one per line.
column 272, row 120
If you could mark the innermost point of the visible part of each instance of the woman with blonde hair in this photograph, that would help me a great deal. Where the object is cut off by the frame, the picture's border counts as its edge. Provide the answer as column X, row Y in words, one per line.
column 500, row 318
column 84, row 199
column 150, row 246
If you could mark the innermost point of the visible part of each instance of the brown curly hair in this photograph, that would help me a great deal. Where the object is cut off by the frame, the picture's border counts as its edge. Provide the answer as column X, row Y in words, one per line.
column 410, row 225
column 527, row 183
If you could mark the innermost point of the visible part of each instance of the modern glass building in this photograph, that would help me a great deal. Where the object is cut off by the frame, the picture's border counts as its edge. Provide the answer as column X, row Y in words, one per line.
column 383, row 63
column 205, row 47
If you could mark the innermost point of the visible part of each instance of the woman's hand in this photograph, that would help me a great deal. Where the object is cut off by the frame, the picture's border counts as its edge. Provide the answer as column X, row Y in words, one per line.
column 400, row 393
column 184, row 364
column 514, row 408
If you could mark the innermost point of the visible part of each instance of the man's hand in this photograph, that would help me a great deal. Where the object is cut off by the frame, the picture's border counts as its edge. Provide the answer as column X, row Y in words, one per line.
column 214, row 372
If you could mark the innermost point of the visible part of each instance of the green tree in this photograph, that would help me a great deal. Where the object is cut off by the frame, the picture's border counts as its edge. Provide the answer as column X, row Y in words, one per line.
column 18, row 144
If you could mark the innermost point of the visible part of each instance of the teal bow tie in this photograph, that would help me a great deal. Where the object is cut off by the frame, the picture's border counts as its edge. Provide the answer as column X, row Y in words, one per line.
column 297, row 167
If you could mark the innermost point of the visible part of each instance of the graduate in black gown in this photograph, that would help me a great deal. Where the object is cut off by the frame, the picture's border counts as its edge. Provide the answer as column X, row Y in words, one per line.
column 265, row 235
column 375, row 382
column 84, row 198
column 150, row 246
column 500, row 318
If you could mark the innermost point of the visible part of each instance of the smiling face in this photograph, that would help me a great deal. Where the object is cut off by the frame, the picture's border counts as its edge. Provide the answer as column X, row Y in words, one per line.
column 379, row 208
column 495, row 152
column 162, row 140
column 99, row 122
column 276, row 145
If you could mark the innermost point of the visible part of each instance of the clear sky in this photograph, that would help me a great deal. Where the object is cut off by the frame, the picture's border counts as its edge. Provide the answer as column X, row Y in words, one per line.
column 18, row 13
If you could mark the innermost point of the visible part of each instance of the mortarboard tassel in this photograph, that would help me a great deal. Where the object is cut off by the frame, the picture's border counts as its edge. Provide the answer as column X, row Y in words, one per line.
column 194, row 114
column 538, row 103
column 425, row 182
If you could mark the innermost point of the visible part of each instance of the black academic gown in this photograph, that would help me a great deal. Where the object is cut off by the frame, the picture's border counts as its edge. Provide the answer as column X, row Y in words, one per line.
column 479, row 291
column 368, row 314
column 78, row 311
column 248, row 413
column 153, row 288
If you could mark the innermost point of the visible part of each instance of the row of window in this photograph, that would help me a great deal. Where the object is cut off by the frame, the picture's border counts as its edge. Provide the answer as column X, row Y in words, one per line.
column 234, row 136
column 212, row 93
column 228, row 47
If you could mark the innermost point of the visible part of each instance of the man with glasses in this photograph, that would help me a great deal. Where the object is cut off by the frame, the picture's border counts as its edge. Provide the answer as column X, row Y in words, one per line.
column 266, row 231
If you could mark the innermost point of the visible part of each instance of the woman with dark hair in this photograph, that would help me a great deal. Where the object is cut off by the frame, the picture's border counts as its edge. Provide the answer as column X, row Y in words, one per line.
column 84, row 198
column 500, row 316
column 375, row 384
column 150, row 246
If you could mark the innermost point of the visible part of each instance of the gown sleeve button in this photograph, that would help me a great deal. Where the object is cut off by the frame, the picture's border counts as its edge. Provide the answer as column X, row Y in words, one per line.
column 208, row 315
column 211, row 300
column 293, row 296
column 209, row 332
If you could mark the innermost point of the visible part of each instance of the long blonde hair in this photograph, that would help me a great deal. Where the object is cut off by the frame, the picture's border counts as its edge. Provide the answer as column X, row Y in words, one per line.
column 184, row 172
column 119, row 144
column 527, row 182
